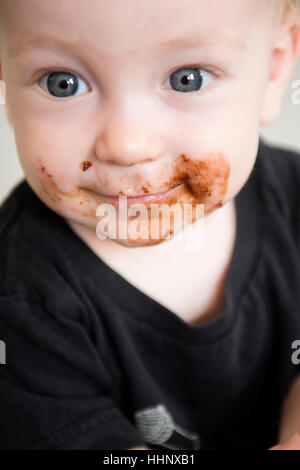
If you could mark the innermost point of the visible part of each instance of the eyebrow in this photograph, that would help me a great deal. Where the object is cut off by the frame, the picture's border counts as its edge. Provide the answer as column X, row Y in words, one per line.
column 191, row 41
column 28, row 42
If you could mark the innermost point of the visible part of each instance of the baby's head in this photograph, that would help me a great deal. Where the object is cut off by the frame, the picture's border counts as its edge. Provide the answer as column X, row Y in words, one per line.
column 137, row 97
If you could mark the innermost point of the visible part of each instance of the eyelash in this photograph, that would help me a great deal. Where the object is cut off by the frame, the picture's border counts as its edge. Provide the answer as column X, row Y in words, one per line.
column 50, row 70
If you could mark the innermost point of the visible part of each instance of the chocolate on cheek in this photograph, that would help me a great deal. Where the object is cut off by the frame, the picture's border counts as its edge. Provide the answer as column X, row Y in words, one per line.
column 53, row 193
column 85, row 165
column 205, row 180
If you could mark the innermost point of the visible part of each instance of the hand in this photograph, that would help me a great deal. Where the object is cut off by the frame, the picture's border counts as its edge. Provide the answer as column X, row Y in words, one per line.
column 292, row 444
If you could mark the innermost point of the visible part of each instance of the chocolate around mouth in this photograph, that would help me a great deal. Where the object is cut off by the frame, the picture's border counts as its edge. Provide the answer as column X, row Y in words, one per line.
column 202, row 181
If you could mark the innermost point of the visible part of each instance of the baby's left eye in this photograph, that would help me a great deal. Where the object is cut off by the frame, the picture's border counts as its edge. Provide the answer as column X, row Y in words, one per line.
column 190, row 79
column 63, row 84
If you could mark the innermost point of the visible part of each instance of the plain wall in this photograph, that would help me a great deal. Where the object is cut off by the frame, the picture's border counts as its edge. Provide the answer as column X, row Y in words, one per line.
column 284, row 131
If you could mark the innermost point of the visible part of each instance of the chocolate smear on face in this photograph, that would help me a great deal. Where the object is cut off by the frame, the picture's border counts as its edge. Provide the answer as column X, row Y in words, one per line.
column 85, row 165
column 205, row 181
column 202, row 182
column 53, row 193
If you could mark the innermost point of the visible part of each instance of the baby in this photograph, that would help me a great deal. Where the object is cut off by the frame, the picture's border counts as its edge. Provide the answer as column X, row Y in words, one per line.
column 134, row 340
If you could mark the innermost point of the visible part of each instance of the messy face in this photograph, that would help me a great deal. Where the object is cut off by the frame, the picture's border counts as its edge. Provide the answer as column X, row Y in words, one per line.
column 139, row 98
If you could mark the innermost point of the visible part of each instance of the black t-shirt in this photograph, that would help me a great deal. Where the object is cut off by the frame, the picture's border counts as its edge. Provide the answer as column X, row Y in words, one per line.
column 94, row 363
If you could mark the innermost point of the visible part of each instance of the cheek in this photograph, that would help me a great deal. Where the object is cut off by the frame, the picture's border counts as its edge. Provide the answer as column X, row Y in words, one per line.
column 61, row 144
column 85, row 165
column 205, row 180
column 51, row 155
column 76, row 200
column 60, row 169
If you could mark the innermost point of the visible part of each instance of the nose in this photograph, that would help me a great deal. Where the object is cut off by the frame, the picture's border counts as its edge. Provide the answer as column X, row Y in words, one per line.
column 128, row 137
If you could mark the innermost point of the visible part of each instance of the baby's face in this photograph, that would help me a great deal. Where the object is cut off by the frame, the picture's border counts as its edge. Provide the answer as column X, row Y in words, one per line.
column 135, row 98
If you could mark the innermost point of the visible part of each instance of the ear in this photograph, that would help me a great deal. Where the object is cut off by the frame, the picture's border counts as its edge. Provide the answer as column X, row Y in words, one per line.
column 285, row 50
column 2, row 89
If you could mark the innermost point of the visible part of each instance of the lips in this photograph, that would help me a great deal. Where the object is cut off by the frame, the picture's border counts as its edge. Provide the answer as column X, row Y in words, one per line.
column 157, row 198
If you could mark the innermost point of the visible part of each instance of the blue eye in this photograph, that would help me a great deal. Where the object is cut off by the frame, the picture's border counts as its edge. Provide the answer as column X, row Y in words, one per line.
column 63, row 84
column 189, row 79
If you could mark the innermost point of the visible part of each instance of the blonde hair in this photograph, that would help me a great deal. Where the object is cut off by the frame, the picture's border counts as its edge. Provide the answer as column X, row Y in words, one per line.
column 291, row 7
column 284, row 8
column 293, row 4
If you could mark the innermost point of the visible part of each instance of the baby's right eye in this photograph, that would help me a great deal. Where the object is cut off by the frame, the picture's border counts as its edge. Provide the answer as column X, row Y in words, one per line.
column 63, row 84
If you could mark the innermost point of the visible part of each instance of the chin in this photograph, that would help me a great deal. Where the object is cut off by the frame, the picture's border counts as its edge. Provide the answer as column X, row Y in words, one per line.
column 151, row 240
column 131, row 243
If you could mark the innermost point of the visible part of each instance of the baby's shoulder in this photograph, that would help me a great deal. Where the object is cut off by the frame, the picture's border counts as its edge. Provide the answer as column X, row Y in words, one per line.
column 278, row 175
column 278, row 166
column 278, row 172
column 33, row 265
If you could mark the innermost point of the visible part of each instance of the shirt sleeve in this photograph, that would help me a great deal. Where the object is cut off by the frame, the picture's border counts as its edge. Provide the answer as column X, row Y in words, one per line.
column 54, row 390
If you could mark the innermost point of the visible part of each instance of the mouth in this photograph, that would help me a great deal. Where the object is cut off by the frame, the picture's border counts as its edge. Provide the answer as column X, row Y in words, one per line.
column 157, row 198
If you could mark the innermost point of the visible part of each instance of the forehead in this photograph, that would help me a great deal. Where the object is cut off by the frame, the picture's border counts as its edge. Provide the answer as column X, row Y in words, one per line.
column 126, row 25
